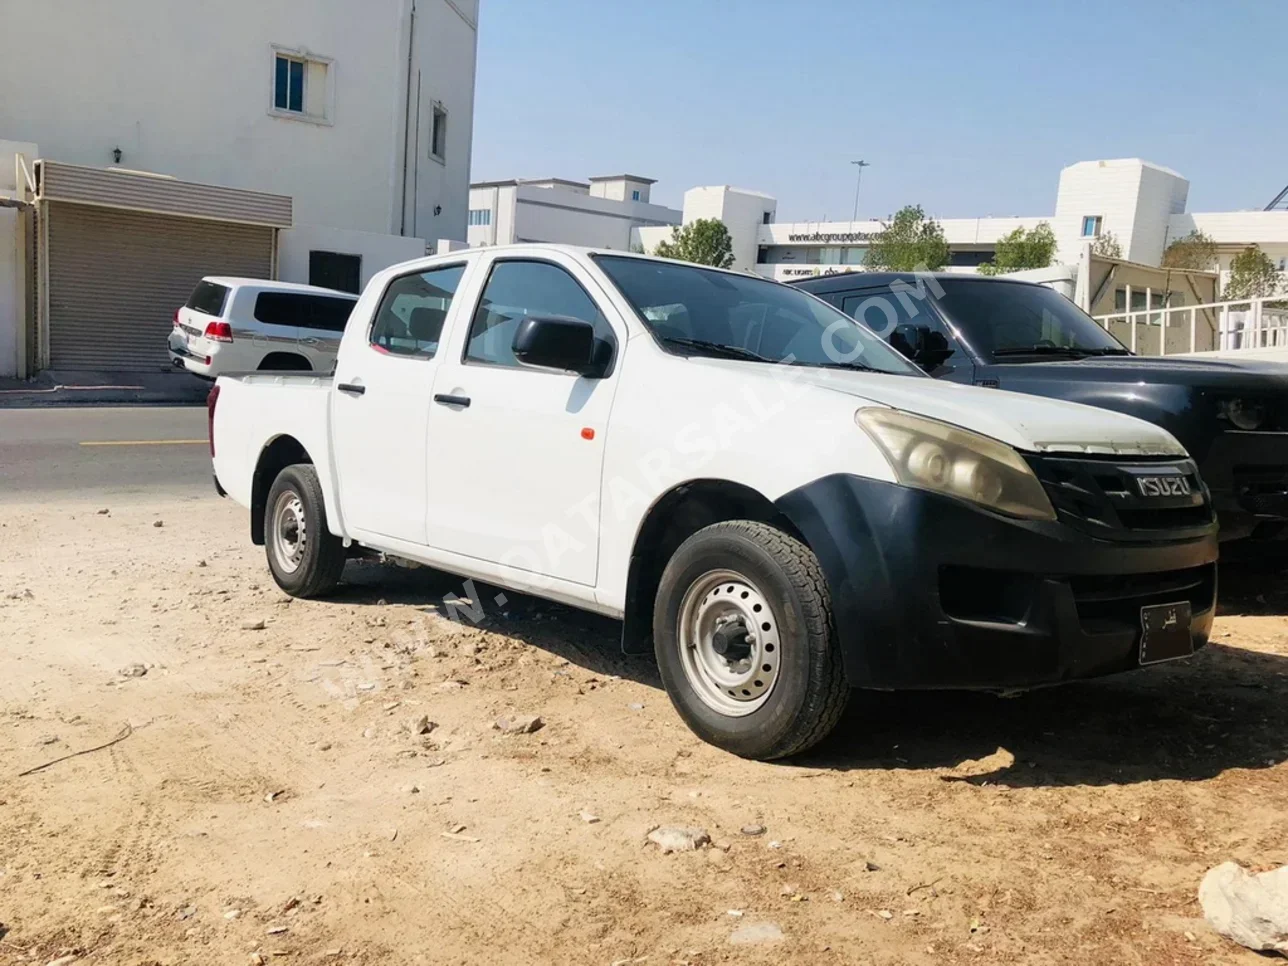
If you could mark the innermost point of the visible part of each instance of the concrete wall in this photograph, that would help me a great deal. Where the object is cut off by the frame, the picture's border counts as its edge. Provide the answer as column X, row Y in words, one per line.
column 445, row 53
column 620, row 189
column 742, row 211
column 530, row 212
column 1134, row 199
column 184, row 92
column 378, row 251
column 1162, row 194
column 11, row 295
column 1235, row 230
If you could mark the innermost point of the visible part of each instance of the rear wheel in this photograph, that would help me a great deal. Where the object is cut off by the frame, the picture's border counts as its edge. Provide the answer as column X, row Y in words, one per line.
column 743, row 633
column 284, row 361
column 305, row 557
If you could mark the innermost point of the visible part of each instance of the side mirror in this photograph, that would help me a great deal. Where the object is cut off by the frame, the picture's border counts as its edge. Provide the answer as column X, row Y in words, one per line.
column 921, row 344
column 910, row 340
column 558, row 342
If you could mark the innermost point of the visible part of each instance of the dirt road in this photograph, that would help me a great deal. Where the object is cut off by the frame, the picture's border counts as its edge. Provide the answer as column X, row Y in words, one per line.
column 272, row 797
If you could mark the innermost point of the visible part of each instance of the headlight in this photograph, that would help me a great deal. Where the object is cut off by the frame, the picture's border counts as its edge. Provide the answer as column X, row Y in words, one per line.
column 934, row 456
column 1244, row 414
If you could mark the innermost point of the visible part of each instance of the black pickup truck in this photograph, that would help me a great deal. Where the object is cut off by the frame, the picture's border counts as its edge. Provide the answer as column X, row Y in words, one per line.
column 1231, row 416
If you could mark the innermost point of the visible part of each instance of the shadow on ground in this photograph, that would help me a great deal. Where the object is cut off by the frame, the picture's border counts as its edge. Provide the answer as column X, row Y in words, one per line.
column 1252, row 588
column 1225, row 708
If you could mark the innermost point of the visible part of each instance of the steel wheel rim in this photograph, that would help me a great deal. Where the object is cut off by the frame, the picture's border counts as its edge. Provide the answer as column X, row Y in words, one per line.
column 729, row 645
column 289, row 531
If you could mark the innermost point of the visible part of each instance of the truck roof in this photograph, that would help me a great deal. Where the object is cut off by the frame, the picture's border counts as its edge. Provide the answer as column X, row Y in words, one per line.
column 571, row 249
column 843, row 281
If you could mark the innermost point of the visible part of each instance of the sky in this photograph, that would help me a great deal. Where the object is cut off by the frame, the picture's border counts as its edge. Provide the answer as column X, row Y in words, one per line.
column 966, row 108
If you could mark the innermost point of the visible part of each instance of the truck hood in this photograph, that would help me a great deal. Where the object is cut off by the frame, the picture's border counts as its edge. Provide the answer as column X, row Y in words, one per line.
column 1030, row 423
column 1230, row 375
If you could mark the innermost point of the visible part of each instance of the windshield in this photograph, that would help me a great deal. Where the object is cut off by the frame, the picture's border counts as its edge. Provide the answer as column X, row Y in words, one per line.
column 1006, row 320
column 699, row 311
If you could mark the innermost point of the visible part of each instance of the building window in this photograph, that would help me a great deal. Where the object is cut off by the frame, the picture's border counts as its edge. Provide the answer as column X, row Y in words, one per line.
column 635, row 195
column 438, row 132
column 301, row 86
column 1157, row 300
column 1091, row 226
column 767, row 218
column 336, row 270
column 480, row 216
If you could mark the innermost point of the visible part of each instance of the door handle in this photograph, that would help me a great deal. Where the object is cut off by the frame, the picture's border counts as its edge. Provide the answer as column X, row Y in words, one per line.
column 351, row 387
column 444, row 399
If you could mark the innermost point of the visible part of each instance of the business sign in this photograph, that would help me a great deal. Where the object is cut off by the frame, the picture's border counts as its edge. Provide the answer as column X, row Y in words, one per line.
column 833, row 237
column 811, row 272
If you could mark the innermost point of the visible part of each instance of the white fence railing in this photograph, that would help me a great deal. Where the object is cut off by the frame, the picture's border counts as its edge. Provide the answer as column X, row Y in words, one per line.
column 1259, row 323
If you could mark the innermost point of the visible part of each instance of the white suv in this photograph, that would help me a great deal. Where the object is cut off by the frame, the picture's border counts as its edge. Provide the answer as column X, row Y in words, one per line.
column 246, row 324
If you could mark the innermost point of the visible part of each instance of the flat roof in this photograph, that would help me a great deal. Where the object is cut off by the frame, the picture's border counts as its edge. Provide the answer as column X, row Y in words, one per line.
column 623, row 177
column 518, row 181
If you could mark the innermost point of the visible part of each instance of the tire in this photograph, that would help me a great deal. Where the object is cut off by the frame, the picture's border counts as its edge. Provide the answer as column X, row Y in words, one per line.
column 314, row 568
column 789, row 691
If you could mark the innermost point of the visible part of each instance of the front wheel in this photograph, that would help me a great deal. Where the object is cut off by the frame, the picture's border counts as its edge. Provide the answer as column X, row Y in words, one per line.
column 305, row 557
column 743, row 632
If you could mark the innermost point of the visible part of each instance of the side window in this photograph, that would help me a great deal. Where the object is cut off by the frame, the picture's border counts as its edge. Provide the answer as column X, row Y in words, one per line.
column 409, row 321
column 303, row 311
column 328, row 314
column 281, row 308
column 517, row 289
column 881, row 310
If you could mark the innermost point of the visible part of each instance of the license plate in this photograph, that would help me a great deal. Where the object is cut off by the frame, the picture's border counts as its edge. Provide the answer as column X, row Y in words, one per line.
column 1170, row 485
column 1165, row 632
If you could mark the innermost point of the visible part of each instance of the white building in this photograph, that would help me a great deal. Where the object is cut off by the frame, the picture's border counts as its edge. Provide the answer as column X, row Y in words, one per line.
column 1141, row 204
column 602, row 212
column 329, row 140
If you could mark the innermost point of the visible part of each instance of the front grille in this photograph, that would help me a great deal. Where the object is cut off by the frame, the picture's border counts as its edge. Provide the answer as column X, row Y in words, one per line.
column 1100, row 496
column 1262, row 489
column 1109, row 603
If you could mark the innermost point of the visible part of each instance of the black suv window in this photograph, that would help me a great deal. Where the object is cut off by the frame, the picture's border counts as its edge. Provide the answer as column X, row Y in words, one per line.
column 1016, row 319
column 207, row 297
column 517, row 289
column 410, row 319
column 303, row 310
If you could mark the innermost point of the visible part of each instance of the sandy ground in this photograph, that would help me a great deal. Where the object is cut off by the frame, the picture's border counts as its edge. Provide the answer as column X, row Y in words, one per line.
column 271, row 801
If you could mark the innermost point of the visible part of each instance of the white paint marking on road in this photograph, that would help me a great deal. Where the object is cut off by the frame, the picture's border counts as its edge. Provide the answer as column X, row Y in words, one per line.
column 143, row 442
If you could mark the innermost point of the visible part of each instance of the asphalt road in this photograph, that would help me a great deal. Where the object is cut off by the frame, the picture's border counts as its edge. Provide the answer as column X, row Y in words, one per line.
column 107, row 451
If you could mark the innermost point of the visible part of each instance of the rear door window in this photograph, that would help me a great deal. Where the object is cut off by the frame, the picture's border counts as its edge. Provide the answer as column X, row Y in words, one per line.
column 208, row 298
column 303, row 310
column 410, row 319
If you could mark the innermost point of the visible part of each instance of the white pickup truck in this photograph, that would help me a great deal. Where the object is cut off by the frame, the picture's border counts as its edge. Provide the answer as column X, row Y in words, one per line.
column 776, row 502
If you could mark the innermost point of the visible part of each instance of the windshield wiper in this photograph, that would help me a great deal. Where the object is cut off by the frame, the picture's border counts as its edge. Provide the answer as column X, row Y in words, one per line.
column 1043, row 350
column 718, row 348
column 853, row 365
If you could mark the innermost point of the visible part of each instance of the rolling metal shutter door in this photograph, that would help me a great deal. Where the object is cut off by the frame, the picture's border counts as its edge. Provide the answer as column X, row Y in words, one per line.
column 116, row 278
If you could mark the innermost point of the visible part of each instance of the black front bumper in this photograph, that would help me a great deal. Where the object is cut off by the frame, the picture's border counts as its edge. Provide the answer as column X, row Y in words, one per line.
column 1248, row 476
column 931, row 592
